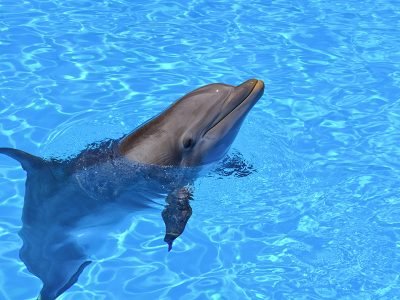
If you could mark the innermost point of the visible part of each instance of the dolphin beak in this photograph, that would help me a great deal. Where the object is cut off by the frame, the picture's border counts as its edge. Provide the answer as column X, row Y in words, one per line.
column 245, row 94
column 248, row 88
column 240, row 102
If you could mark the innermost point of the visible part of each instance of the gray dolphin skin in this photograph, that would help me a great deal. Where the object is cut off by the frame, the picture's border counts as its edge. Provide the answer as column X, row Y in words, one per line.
column 113, row 179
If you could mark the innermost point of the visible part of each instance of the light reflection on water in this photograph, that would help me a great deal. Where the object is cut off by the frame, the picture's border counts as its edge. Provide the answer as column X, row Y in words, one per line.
column 317, row 219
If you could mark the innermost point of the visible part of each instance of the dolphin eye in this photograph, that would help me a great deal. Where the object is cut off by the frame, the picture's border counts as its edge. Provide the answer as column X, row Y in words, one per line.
column 188, row 143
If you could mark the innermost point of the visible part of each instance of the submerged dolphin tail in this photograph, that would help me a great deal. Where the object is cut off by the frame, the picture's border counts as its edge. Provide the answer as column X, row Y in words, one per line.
column 74, row 278
column 28, row 161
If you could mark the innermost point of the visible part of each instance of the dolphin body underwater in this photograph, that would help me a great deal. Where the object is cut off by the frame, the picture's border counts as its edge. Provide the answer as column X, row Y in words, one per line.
column 110, row 180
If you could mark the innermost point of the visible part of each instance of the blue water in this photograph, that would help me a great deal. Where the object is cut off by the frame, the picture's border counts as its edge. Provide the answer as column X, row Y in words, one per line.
column 319, row 219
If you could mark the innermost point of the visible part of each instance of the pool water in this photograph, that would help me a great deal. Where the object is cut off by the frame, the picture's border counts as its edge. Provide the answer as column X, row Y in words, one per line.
column 319, row 216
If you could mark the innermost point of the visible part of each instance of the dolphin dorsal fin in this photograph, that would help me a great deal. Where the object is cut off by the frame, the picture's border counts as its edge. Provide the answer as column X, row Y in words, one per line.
column 28, row 161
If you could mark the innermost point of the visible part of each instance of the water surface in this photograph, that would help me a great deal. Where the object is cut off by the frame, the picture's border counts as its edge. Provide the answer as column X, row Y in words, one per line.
column 319, row 219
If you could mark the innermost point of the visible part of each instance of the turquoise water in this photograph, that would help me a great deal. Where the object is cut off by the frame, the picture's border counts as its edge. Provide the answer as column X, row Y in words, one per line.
column 318, row 219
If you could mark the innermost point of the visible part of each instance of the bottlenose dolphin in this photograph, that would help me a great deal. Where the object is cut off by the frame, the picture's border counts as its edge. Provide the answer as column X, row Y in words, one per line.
column 114, row 178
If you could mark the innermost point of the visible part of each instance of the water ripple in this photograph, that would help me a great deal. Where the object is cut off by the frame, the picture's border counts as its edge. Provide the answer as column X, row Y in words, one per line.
column 316, row 218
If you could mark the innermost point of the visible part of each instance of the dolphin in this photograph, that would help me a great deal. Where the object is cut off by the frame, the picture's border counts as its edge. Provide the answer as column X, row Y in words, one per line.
column 114, row 178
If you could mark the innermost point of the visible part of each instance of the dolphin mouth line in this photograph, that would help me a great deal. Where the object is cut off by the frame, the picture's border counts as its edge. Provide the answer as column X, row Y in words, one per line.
column 233, row 109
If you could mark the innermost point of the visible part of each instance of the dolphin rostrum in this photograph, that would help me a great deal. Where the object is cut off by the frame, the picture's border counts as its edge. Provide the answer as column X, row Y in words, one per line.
column 114, row 178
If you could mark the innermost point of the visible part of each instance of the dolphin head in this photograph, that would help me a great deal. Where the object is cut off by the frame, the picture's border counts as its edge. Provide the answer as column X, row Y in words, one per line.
column 197, row 129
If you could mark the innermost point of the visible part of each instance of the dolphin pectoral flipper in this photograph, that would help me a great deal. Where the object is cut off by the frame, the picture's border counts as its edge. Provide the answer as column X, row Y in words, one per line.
column 176, row 214
column 28, row 161
column 66, row 199
column 235, row 165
